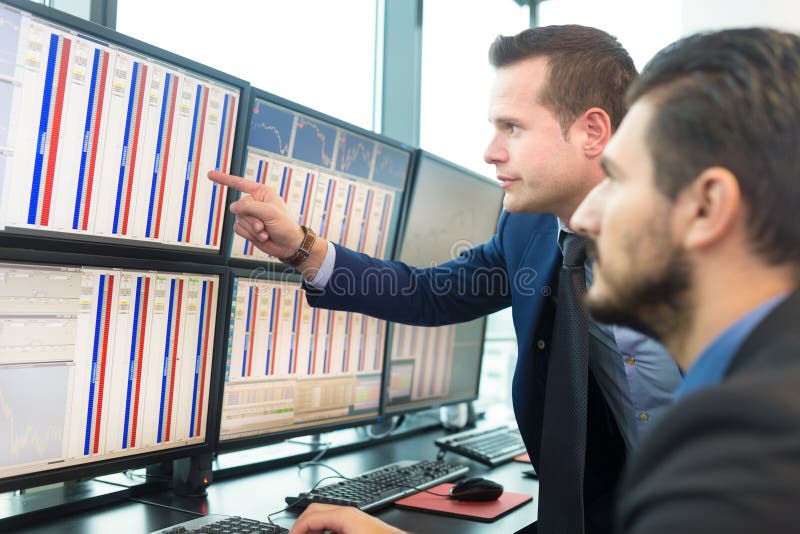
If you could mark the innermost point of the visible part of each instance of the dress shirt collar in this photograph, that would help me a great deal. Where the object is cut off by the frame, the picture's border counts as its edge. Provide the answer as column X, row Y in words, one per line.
column 562, row 229
column 710, row 367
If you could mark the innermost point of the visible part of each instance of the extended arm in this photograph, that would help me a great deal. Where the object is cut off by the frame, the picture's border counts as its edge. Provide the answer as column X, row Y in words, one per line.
column 470, row 286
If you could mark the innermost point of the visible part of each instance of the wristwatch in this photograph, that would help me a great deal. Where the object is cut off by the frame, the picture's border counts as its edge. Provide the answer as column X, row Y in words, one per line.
column 303, row 251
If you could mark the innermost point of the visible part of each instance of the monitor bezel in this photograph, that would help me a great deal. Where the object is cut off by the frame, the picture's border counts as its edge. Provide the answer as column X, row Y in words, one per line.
column 113, row 465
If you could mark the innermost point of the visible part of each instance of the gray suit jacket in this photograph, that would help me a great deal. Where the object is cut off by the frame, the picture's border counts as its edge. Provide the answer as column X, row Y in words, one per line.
column 727, row 459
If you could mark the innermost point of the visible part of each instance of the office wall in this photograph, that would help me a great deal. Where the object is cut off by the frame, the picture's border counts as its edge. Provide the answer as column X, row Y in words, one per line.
column 718, row 14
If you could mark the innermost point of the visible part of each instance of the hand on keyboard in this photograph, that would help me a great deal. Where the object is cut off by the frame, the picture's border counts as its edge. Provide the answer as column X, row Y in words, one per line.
column 339, row 519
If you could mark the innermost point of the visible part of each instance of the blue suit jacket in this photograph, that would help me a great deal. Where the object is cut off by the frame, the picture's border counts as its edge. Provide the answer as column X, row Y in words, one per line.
column 516, row 267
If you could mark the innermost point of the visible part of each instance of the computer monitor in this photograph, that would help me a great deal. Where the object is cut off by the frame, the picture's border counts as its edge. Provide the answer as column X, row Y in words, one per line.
column 292, row 369
column 103, row 368
column 107, row 139
column 345, row 183
column 450, row 210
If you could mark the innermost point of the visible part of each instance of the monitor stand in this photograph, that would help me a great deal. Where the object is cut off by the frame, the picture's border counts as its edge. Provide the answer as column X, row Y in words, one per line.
column 314, row 441
column 457, row 416
column 192, row 475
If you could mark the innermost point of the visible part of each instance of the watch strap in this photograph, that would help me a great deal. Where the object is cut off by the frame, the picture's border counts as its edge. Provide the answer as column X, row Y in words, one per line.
column 304, row 250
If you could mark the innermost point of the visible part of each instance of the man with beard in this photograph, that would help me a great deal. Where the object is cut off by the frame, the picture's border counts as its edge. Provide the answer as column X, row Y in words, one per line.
column 557, row 97
column 696, row 242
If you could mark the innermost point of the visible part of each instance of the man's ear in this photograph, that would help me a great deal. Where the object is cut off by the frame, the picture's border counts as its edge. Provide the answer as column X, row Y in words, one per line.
column 596, row 125
column 711, row 207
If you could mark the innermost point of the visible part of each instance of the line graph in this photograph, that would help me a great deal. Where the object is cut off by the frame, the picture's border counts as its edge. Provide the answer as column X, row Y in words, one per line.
column 313, row 142
column 390, row 166
column 271, row 129
column 355, row 155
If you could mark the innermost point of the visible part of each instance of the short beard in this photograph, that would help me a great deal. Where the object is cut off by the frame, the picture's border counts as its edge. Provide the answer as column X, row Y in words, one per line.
column 656, row 305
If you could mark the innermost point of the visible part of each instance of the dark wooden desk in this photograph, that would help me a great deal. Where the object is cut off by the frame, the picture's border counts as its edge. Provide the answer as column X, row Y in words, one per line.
column 124, row 517
column 256, row 495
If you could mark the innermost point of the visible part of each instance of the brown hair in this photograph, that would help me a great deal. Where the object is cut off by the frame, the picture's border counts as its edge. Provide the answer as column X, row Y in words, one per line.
column 587, row 68
column 732, row 99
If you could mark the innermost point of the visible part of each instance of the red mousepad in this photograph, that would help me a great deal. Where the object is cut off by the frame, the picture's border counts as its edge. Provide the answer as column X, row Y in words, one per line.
column 524, row 458
column 481, row 511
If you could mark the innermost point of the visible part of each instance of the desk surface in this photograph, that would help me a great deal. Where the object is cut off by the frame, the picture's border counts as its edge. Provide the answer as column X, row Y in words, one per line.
column 256, row 495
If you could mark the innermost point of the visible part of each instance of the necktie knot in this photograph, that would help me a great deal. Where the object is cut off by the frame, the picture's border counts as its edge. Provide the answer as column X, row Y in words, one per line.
column 573, row 247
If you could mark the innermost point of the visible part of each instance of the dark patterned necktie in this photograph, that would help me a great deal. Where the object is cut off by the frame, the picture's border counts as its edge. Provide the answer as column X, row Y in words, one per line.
column 563, row 448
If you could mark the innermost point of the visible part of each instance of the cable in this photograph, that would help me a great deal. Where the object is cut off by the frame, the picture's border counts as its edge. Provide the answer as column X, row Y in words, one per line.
column 315, row 460
column 166, row 506
column 303, row 465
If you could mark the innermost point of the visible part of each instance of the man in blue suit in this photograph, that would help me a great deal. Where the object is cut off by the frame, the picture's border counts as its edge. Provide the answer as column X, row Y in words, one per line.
column 557, row 98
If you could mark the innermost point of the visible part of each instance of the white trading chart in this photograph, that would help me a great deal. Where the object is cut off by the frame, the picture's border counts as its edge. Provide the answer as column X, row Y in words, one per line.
column 125, row 357
column 99, row 142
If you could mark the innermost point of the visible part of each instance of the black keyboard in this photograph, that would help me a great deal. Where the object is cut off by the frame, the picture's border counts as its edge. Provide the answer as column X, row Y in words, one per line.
column 219, row 524
column 381, row 486
column 493, row 446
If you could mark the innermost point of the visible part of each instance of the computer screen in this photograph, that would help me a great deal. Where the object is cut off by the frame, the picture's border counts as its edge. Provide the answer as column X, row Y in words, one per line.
column 292, row 369
column 345, row 183
column 99, row 365
column 102, row 140
column 450, row 210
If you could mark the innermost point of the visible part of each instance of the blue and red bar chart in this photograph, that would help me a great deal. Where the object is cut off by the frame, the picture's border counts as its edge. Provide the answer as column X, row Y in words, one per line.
column 127, row 355
column 286, row 358
column 102, row 143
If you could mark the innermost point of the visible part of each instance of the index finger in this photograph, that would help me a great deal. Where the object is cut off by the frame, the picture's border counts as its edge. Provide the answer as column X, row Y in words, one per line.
column 234, row 182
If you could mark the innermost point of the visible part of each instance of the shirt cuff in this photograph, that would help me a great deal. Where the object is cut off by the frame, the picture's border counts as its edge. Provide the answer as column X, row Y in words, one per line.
column 326, row 269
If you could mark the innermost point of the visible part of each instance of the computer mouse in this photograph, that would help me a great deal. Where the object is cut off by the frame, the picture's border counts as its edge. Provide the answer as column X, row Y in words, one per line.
column 476, row 489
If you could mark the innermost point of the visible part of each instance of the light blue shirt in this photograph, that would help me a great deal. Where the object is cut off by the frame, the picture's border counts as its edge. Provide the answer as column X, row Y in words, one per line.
column 710, row 366
column 650, row 372
column 326, row 269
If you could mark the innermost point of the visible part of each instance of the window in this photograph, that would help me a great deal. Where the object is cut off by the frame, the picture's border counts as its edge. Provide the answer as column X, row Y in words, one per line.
column 320, row 54
column 457, row 77
column 643, row 28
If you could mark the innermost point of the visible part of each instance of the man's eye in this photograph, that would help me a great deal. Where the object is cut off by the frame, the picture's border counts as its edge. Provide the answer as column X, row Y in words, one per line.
column 511, row 128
